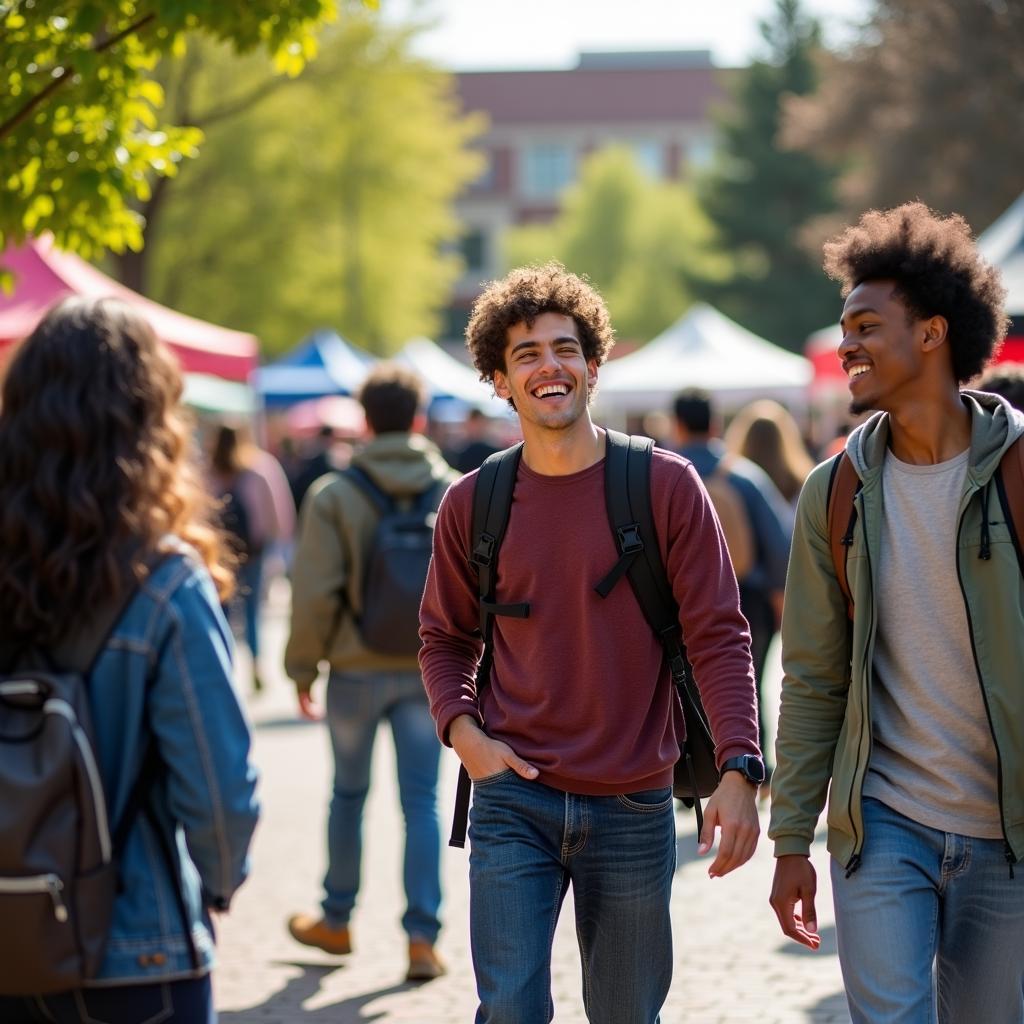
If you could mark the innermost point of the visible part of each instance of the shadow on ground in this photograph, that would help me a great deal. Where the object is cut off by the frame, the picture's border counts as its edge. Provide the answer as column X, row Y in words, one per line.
column 288, row 1001
column 831, row 1010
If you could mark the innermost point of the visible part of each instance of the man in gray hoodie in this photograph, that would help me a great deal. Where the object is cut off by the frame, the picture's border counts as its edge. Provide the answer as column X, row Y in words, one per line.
column 908, row 707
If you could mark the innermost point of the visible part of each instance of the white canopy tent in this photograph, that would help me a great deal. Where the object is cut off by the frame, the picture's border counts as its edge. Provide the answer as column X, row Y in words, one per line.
column 1002, row 243
column 704, row 349
column 447, row 379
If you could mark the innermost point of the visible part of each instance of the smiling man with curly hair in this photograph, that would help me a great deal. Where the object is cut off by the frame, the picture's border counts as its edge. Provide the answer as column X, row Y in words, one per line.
column 571, row 740
column 906, row 705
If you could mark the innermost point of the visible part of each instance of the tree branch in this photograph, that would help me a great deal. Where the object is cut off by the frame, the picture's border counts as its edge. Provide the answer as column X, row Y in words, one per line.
column 61, row 75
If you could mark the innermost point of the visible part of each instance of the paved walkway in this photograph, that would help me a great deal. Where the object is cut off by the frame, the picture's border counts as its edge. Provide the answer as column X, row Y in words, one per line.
column 732, row 963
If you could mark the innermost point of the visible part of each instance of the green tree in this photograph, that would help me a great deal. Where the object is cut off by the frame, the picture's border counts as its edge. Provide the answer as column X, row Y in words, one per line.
column 80, row 135
column 328, row 203
column 765, row 199
column 925, row 106
column 645, row 244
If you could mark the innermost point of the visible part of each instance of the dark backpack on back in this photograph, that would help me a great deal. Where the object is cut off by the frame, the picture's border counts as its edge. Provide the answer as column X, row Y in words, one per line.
column 236, row 522
column 58, row 852
column 396, row 566
column 628, row 502
column 841, row 511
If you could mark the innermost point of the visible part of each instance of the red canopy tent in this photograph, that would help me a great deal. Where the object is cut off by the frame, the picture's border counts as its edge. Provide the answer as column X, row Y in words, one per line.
column 43, row 274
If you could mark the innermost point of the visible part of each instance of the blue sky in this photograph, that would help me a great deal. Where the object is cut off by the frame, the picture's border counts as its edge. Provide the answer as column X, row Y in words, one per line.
column 480, row 34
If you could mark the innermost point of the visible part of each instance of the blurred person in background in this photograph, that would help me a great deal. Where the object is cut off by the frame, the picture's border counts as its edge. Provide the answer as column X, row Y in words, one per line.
column 367, row 685
column 766, row 433
column 255, row 518
column 768, row 521
column 477, row 443
column 103, row 518
column 1006, row 379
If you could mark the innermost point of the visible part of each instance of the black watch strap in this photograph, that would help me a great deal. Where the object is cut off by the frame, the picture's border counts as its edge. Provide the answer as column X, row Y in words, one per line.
column 748, row 765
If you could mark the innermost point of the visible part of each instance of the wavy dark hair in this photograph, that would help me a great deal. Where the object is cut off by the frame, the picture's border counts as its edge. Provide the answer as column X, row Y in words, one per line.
column 522, row 296
column 937, row 271
column 96, row 468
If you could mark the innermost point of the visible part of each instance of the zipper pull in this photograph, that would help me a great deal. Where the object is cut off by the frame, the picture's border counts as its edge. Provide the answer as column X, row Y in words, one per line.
column 853, row 864
column 55, row 886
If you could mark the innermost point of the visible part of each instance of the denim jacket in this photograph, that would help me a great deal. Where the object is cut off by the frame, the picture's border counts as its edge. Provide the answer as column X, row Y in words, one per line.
column 164, row 677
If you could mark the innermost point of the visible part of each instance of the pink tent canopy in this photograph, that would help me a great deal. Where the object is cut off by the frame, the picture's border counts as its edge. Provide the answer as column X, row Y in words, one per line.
column 43, row 274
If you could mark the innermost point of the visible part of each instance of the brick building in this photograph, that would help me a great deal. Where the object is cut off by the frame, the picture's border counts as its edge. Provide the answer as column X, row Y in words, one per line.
column 542, row 125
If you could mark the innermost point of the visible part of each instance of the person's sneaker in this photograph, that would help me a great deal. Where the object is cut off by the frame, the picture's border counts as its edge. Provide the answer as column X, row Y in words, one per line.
column 424, row 963
column 315, row 931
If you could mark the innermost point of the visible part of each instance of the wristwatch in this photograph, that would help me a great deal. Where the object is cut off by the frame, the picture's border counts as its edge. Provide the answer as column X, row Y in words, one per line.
column 749, row 766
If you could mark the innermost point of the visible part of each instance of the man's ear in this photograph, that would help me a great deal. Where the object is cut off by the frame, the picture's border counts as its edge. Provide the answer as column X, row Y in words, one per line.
column 501, row 388
column 936, row 331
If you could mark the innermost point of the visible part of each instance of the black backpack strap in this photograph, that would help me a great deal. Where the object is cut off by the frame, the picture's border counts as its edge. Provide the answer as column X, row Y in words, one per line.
column 492, row 506
column 628, row 498
column 366, row 485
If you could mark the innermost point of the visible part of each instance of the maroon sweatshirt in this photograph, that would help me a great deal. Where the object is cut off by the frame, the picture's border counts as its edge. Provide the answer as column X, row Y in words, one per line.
column 580, row 688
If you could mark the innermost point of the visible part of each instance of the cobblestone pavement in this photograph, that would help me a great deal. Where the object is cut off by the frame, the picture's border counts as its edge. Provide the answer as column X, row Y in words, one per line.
column 732, row 963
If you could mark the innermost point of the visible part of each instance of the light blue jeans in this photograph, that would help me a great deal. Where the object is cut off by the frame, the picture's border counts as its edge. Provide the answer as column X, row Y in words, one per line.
column 529, row 844
column 356, row 704
column 930, row 923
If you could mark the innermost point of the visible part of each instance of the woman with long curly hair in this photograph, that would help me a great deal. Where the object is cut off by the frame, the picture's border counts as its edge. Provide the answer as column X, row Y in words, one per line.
column 101, row 510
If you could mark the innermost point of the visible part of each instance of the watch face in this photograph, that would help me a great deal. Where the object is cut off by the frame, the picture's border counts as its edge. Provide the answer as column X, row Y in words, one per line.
column 753, row 768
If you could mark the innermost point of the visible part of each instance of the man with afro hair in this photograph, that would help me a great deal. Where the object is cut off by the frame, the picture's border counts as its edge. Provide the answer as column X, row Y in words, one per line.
column 908, row 706
column 572, row 741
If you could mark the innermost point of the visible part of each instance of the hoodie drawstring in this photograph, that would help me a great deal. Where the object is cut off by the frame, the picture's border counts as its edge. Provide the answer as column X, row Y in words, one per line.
column 985, row 551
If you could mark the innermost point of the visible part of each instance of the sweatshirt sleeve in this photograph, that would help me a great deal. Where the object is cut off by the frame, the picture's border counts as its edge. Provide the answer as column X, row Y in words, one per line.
column 320, row 570
column 449, row 614
column 815, row 685
column 716, row 633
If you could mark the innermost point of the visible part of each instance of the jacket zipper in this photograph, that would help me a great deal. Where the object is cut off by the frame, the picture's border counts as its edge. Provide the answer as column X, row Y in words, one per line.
column 1008, row 850
column 854, row 862
column 50, row 883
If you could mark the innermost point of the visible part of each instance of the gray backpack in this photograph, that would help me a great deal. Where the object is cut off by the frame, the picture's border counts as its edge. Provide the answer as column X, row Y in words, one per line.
column 58, row 853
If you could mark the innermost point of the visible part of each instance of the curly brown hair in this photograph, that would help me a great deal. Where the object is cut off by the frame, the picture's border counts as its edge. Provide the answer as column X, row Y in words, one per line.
column 96, row 468
column 522, row 296
column 937, row 271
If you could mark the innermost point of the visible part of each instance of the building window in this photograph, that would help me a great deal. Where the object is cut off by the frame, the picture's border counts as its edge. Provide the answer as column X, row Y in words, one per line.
column 650, row 158
column 474, row 250
column 701, row 152
column 547, row 168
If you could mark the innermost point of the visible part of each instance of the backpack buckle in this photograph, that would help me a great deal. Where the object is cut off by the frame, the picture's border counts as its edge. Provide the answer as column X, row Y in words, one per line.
column 630, row 541
column 484, row 550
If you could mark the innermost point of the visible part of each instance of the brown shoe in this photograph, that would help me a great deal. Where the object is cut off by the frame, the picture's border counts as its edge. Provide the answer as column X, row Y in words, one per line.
column 315, row 931
column 424, row 963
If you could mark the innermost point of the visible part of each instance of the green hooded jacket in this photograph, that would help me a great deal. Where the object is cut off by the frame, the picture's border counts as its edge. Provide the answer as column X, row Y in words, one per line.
column 824, row 732
column 336, row 528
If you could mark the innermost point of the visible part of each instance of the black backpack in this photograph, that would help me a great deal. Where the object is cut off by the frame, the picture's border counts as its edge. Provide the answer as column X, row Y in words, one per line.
column 58, row 852
column 236, row 522
column 396, row 566
column 627, row 488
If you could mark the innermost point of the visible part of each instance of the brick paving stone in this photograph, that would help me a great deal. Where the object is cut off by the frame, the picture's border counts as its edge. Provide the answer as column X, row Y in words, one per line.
column 732, row 964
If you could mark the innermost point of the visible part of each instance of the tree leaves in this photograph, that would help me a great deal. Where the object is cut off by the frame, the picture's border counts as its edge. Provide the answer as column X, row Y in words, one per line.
column 80, row 123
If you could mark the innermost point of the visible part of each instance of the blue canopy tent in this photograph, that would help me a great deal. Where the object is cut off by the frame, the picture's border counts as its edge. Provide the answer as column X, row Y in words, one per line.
column 322, row 364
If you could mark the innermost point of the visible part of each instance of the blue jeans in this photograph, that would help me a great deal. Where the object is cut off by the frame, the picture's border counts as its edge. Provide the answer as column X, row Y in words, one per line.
column 922, row 899
column 356, row 703
column 169, row 1002
column 529, row 844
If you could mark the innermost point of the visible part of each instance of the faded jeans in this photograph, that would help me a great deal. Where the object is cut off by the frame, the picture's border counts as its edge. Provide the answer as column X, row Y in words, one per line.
column 923, row 901
column 356, row 703
column 529, row 844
